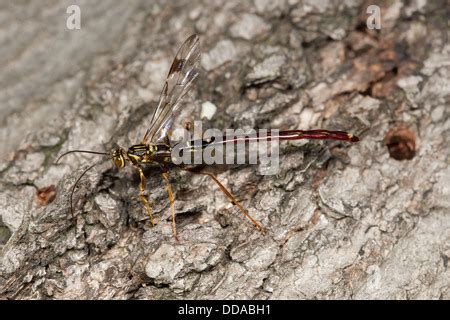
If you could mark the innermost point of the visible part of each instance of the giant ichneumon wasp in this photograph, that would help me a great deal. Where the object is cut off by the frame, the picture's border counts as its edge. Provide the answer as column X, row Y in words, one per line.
column 155, row 147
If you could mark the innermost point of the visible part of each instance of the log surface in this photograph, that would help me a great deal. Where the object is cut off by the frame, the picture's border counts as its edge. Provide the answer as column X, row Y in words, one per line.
column 344, row 221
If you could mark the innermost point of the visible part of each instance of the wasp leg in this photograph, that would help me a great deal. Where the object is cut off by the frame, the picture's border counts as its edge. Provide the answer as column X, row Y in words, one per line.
column 172, row 203
column 142, row 195
column 233, row 200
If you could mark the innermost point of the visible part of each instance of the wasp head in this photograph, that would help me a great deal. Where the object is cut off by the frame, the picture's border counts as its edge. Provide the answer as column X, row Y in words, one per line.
column 118, row 157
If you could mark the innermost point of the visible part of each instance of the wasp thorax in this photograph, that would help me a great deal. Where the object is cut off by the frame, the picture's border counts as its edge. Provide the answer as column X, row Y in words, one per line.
column 118, row 158
column 137, row 153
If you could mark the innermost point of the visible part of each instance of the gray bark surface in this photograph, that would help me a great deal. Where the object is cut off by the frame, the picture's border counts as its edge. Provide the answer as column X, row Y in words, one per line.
column 344, row 221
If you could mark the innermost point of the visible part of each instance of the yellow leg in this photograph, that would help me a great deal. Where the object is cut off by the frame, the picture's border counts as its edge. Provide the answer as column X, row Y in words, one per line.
column 142, row 195
column 172, row 203
column 233, row 200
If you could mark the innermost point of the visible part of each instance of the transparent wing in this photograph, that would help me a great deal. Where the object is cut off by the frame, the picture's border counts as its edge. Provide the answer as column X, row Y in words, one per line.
column 179, row 80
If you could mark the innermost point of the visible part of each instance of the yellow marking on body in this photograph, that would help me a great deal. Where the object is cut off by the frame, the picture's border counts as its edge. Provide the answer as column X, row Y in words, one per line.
column 136, row 158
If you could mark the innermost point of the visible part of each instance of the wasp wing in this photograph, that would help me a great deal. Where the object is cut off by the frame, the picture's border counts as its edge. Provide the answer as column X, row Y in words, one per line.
column 179, row 80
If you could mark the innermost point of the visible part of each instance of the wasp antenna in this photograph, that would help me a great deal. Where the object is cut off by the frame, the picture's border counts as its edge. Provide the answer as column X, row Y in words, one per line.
column 75, row 185
column 80, row 151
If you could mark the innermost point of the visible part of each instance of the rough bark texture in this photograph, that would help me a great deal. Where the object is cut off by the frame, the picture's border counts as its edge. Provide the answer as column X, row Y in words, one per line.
column 344, row 221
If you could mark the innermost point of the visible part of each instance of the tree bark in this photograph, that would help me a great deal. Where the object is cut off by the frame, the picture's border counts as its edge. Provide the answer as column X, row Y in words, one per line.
column 344, row 221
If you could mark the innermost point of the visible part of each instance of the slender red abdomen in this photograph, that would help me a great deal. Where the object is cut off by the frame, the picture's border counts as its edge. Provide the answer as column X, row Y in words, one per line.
column 317, row 134
column 293, row 135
